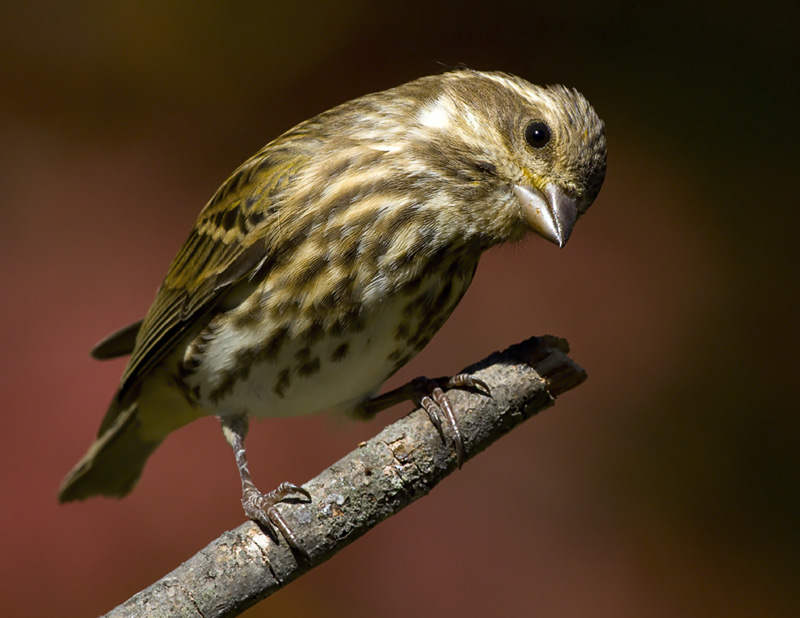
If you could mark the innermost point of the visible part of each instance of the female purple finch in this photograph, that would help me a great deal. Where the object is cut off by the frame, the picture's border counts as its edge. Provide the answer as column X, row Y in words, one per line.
column 333, row 255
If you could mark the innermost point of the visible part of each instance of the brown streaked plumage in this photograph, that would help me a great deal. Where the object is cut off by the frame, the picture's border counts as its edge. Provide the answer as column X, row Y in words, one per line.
column 333, row 255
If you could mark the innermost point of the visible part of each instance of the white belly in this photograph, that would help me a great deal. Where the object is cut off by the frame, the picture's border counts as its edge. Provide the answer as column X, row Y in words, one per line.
column 302, row 378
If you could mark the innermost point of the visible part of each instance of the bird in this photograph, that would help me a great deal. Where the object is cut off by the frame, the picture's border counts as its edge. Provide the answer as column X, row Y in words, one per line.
column 332, row 256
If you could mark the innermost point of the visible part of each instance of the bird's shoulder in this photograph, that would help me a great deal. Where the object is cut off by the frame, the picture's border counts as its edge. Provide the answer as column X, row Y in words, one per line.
column 232, row 239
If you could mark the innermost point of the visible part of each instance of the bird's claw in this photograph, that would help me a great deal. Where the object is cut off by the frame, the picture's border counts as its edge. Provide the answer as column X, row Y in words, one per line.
column 467, row 381
column 429, row 394
column 261, row 508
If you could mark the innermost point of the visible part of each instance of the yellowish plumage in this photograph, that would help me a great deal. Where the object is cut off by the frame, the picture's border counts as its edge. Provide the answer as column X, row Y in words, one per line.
column 334, row 254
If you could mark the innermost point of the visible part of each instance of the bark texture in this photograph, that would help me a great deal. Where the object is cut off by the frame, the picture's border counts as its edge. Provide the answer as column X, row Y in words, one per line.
column 376, row 480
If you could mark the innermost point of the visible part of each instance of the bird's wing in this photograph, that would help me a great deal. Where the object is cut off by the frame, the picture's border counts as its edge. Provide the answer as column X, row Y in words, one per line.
column 228, row 243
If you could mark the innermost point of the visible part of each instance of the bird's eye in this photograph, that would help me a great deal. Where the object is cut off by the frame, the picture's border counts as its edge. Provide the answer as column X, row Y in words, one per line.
column 537, row 134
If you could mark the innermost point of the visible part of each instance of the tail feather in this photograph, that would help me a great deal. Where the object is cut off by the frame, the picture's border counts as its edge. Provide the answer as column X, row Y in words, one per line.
column 118, row 343
column 134, row 425
column 113, row 463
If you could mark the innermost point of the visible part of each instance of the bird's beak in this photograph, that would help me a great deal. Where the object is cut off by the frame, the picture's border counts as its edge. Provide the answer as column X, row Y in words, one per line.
column 549, row 213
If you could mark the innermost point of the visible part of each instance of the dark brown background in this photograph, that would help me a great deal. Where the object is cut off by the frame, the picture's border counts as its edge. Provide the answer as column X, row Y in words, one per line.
column 667, row 485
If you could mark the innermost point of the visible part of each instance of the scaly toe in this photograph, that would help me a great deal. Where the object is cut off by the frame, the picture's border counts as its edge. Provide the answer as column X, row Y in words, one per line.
column 289, row 491
column 261, row 508
column 467, row 381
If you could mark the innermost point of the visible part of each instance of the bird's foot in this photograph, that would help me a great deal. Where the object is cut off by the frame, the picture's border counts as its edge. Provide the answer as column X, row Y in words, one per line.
column 429, row 394
column 261, row 508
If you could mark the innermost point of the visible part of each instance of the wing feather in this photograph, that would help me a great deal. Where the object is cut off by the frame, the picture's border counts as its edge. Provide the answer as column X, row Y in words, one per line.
column 228, row 242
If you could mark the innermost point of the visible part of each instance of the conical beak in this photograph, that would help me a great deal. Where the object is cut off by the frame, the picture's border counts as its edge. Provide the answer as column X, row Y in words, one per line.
column 551, row 214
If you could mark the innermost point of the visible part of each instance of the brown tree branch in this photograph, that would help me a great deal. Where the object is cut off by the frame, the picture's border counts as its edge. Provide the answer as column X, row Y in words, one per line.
column 375, row 481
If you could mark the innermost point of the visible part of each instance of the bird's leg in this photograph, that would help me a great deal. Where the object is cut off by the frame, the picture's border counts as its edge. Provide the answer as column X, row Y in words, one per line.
column 257, row 506
column 429, row 394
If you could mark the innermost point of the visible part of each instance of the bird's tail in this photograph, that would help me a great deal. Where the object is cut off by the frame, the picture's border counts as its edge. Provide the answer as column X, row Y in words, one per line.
column 113, row 463
column 115, row 460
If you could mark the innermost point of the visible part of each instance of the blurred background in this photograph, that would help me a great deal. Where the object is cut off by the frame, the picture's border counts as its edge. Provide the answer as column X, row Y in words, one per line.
column 666, row 485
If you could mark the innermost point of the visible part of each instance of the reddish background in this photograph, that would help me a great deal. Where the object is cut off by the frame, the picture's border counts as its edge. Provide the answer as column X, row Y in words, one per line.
column 667, row 485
